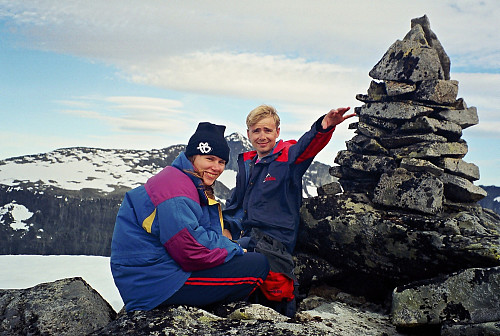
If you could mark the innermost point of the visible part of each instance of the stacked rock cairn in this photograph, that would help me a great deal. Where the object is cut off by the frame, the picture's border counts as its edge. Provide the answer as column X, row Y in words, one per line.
column 407, row 152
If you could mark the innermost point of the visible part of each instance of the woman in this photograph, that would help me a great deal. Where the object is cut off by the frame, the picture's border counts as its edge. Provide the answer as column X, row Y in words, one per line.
column 168, row 245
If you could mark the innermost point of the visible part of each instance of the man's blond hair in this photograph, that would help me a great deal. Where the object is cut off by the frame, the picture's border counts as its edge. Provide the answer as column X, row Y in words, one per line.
column 261, row 112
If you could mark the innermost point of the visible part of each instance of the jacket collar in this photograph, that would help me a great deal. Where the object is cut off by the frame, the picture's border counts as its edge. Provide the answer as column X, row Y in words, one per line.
column 182, row 163
column 278, row 148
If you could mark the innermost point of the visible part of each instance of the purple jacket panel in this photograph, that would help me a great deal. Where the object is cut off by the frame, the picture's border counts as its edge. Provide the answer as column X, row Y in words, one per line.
column 169, row 183
column 191, row 255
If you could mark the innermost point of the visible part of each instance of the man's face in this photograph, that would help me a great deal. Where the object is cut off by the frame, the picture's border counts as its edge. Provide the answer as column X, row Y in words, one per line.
column 263, row 136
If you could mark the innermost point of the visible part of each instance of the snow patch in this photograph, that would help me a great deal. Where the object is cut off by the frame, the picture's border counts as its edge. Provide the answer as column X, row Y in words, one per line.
column 19, row 214
column 228, row 178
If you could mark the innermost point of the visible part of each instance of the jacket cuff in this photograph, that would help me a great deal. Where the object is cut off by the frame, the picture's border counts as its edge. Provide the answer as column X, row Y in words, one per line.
column 320, row 129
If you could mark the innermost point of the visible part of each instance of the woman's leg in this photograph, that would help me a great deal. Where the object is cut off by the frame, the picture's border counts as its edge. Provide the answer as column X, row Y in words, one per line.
column 232, row 281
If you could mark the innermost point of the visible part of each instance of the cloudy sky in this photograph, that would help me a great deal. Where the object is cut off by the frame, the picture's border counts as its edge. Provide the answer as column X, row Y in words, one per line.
column 141, row 74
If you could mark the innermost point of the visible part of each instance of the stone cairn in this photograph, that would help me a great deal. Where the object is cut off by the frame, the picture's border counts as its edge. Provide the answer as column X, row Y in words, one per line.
column 407, row 152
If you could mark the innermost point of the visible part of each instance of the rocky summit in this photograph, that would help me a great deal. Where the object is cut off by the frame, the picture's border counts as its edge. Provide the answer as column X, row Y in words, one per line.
column 398, row 246
column 409, row 208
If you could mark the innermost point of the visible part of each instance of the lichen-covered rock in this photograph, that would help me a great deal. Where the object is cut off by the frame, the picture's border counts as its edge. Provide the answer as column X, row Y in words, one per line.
column 418, row 165
column 410, row 60
column 460, row 168
column 330, row 318
column 310, row 268
column 64, row 307
column 422, row 192
column 366, row 163
column 472, row 329
column 469, row 296
column 448, row 129
column 364, row 145
column 397, row 246
column 398, row 88
column 369, row 130
column 426, row 150
column 465, row 117
column 393, row 110
column 437, row 91
column 433, row 41
column 397, row 141
column 414, row 118
column 331, row 188
column 460, row 189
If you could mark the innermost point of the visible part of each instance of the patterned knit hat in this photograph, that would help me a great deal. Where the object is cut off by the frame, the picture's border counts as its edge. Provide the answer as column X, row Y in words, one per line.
column 208, row 140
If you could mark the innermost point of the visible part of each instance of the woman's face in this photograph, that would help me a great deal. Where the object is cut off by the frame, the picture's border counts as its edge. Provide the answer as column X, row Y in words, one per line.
column 209, row 167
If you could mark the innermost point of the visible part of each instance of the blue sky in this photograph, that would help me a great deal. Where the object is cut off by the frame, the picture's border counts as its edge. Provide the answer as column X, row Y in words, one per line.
column 141, row 74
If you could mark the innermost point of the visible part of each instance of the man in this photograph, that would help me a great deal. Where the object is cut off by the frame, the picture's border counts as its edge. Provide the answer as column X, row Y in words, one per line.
column 263, row 212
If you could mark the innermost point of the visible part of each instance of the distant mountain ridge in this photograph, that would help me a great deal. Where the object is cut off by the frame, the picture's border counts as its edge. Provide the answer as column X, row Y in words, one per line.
column 492, row 200
column 65, row 201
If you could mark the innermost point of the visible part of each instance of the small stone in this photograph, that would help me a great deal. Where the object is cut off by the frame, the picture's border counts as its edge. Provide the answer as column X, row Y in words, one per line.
column 461, row 190
column 417, row 165
column 460, row 168
column 365, row 163
column 437, row 91
column 398, row 88
column 465, row 118
column 393, row 110
column 415, row 191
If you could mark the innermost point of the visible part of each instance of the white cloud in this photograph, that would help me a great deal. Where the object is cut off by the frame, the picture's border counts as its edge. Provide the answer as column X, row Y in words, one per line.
column 301, row 53
column 123, row 32
column 250, row 76
column 138, row 114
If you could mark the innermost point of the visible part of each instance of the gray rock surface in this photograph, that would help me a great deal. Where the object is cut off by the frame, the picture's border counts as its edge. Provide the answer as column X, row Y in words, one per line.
column 321, row 318
column 437, row 91
column 410, row 60
column 416, row 191
column 469, row 296
column 64, row 307
column 474, row 329
column 394, row 246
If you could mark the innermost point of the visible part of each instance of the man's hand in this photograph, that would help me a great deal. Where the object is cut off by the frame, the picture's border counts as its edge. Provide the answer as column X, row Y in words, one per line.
column 335, row 117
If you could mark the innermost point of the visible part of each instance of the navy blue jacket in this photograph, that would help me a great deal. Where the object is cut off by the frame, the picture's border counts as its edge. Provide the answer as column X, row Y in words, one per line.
column 268, row 194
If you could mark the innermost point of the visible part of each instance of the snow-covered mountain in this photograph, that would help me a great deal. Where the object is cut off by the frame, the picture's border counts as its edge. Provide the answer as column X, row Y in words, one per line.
column 65, row 201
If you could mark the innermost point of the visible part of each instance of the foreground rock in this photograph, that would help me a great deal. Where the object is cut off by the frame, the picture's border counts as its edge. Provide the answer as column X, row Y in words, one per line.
column 323, row 318
column 471, row 296
column 72, row 307
column 65, row 307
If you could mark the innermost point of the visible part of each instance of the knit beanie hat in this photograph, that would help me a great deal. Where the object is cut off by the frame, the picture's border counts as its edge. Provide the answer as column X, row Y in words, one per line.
column 208, row 140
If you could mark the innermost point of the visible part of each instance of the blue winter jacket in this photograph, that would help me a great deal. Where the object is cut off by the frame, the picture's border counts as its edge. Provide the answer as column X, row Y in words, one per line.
column 165, row 230
column 268, row 194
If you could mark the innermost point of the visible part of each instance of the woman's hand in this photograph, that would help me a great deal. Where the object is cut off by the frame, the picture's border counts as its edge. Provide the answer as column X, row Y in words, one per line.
column 227, row 233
